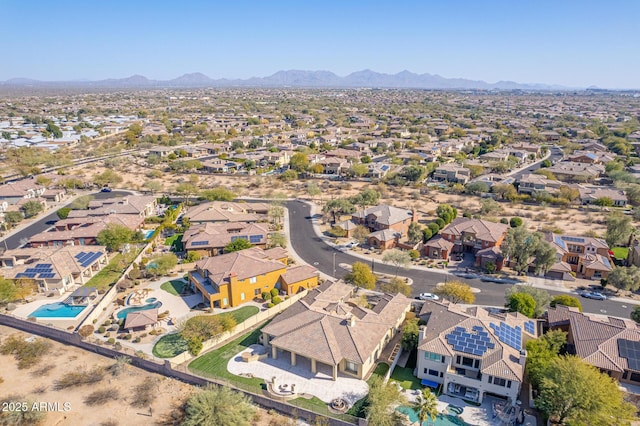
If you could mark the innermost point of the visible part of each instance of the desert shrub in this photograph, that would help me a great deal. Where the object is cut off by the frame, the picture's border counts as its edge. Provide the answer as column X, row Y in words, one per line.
column 504, row 220
column 277, row 300
column 110, row 422
column 515, row 222
column 127, row 337
column 143, row 394
column 26, row 353
column 337, row 232
column 19, row 417
column 117, row 346
column 43, row 371
column 79, row 378
column 119, row 366
column 137, row 340
column 85, row 331
column 102, row 396
column 414, row 254
column 101, row 330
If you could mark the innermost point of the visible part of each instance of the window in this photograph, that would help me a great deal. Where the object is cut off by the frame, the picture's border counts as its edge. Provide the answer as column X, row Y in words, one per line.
column 255, row 239
column 351, row 367
column 81, row 241
column 434, row 373
column 509, row 384
column 433, row 357
column 256, row 292
column 499, row 381
column 468, row 362
column 241, row 296
column 224, row 302
column 253, row 280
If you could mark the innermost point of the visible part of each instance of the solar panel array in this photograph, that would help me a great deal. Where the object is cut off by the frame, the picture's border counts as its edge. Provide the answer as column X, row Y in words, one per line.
column 573, row 239
column 41, row 270
column 530, row 327
column 476, row 342
column 255, row 238
column 87, row 258
column 631, row 351
column 511, row 336
column 199, row 243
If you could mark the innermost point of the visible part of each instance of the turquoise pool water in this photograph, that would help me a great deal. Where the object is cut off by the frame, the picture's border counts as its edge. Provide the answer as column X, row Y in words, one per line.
column 441, row 420
column 148, row 234
column 123, row 313
column 57, row 310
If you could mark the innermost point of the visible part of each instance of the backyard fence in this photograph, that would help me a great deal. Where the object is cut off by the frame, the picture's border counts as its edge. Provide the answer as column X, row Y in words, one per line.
column 295, row 409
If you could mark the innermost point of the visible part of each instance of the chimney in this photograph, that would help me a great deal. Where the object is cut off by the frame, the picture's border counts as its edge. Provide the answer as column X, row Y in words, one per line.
column 125, row 201
column 523, row 357
column 351, row 321
column 422, row 333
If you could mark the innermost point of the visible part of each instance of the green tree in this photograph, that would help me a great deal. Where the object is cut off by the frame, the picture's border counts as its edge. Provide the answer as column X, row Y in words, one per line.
column 604, row 202
column 414, row 233
column 63, row 212
column 635, row 314
column 361, row 276
column 108, row 177
column 396, row 285
column 153, row 186
column 566, row 300
column 8, row 291
column 299, row 162
column 398, row 258
column 218, row 406
column 358, row 169
column 360, row 233
column 427, row 406
column 410, row 334
column 277, row 239
column 489, row 206
column 32, row 208
column 192, row 256
column 237, row 245
column 456, row 292
column 540, row 353
column 313, row 189
column 186, row 190
column 288, row 175
column 337, row 207
column 426, row 235
column 446, row 213
column 218, row 194
column 504, row 191
column 53, row 130
column 574, row 392
column 539, row 295
column 475, row 188
column 619, row 228
column 382, row 396
column 412, row 173
column 368, row 197
column 520, row 246
column 515, row 222
column 13, row 217
column 625, row 278
column 114, row 236
column 521, row 302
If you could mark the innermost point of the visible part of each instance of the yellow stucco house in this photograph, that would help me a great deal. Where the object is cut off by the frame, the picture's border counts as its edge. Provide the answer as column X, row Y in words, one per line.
column 232, row 279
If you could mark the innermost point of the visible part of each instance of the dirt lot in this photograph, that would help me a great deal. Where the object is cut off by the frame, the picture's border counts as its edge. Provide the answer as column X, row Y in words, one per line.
column 37, row 384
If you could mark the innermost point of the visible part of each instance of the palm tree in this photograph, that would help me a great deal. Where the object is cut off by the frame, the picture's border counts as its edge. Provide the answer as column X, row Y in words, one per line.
column 426, row 405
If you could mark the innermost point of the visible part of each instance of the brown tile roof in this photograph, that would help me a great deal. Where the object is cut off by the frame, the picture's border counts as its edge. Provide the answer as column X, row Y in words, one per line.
column 299, row 273
column 218, row 235
column 439, row 243
column 483, row 230
column 321, row 326
column 226, row 211
column 385, row 214
column 241, row 264
column 141, row 318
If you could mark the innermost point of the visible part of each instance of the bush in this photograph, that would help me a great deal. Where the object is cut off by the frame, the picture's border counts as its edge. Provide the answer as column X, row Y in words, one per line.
column 117, row 346
column 79, row 378
column 434, row 228
column 266, row 295
column 102, row 396
column 194, row 345
column 85, row 331
column 101, row 330
column 26, row 353
column 143, row 394
column 276, row 300
column 136, row 340
column 337, row 232
column 504, row 220
column 127, row 337
column 515, row 222
column 414, row 254
column 270, row 305
column 111, row 341
column 440, row 222
column 274, row 292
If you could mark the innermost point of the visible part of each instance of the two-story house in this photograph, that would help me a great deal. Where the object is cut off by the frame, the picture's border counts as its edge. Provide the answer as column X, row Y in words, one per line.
column 588, row 257
column 610, row 344
column 533, row 184
column 569, row 171
column 14, row 192
column 472, row 235
column 591, row 194
column 232, row 279
column 472, row 353
column 209, row 239
column 227, row 211
column 387, row 224
column 452, row 173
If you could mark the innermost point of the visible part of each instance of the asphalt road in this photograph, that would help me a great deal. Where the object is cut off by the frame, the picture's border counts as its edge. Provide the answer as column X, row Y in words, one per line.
column 314, row 251
column 21, row 237
column 556, row 155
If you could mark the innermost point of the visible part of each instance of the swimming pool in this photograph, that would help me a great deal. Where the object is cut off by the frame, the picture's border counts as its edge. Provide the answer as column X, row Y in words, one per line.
column 148, row 234
column 57, row 310
column 123, row 313
column 441, row 420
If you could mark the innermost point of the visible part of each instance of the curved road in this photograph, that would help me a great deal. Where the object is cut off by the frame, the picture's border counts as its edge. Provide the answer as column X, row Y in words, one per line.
column 315, row 252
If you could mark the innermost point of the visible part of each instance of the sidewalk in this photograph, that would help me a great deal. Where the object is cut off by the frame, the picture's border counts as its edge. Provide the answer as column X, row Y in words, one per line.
column 538, row 282
column 530, row 164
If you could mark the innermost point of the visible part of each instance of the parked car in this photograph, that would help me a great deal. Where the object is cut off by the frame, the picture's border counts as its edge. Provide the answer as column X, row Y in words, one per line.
column 428, row 296
column 593, row 295
column 105, row 189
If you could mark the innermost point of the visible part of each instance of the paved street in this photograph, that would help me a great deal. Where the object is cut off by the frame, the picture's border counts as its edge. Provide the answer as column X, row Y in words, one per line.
column 313, row 250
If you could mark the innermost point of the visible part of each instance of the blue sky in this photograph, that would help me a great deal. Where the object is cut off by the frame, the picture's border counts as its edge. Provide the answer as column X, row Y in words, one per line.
column 573, row 43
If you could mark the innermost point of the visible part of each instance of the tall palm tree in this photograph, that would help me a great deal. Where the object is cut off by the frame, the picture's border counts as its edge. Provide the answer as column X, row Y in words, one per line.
column 426, row 405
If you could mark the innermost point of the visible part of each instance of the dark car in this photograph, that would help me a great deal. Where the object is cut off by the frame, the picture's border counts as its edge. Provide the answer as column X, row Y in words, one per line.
column 105, row 189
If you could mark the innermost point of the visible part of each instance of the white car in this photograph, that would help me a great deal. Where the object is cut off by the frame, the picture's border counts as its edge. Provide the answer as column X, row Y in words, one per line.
column 428, row 296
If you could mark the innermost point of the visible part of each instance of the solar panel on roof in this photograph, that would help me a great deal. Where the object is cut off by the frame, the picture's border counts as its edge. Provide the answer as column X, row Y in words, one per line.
column 529, row 327
column 46, row 275
column 200, row 243
column 631, row 351
column 509, row 335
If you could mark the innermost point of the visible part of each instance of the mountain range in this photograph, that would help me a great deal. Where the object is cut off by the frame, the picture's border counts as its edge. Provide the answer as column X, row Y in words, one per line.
column 292, row 78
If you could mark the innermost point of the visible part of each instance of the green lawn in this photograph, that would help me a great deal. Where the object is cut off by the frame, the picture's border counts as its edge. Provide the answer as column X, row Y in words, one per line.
column 108, row 275
column 620, row 252
column 174, row 287
column 174, row 241
column 169, row 346
column 214, row 363
column 405, row 377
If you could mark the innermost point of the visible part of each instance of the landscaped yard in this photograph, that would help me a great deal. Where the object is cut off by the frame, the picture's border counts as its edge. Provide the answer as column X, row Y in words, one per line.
column 359, row 407
column 405, row 377
column 169, row 346
column 173, row 344
column 620, row 252
column 214, row 363
column 175, row 242
column 174, row 287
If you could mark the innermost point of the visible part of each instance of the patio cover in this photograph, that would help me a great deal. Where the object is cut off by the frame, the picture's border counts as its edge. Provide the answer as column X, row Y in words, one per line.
column 430, row 383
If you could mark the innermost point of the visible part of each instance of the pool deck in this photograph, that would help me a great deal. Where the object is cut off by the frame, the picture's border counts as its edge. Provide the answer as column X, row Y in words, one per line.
column 474, row 415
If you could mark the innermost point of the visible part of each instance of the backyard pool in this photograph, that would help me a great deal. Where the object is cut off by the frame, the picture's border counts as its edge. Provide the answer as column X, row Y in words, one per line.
column 441, row 420
column 123, row 313
column 148, row 234
column 57, row 310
